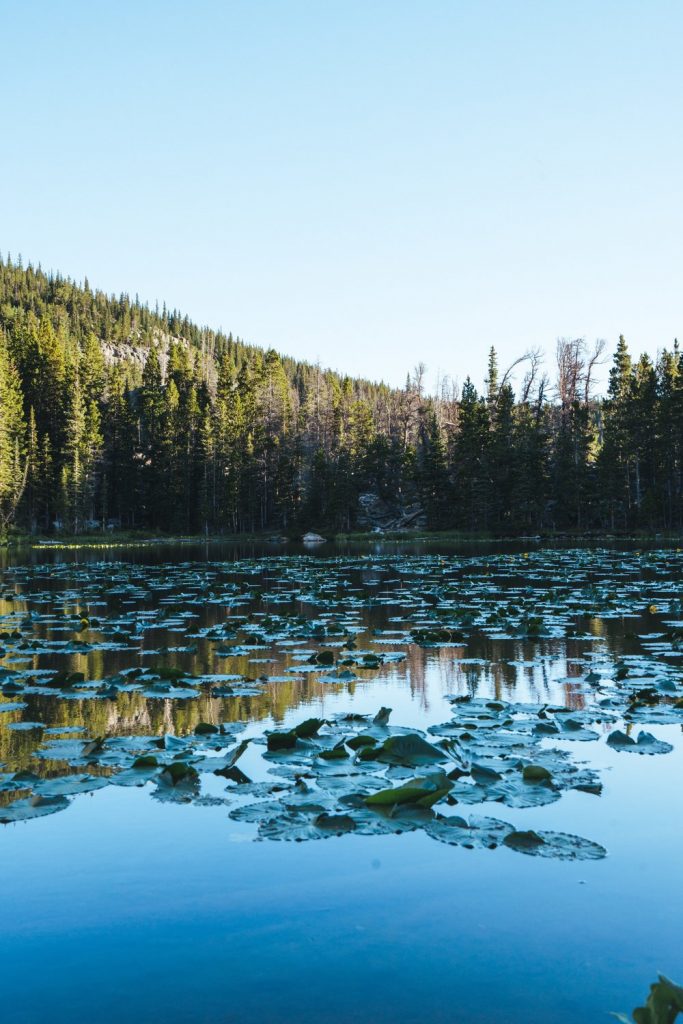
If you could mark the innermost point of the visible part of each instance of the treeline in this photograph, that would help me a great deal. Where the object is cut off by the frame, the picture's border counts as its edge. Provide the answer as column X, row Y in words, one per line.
column 113, row 414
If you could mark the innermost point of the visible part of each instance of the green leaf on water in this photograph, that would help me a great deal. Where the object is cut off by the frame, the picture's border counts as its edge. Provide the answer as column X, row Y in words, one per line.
column 69, row 785
column 645, row 744
column 32, row 807
column 558, row 845
column 322, row 658
column 305, row 730
column 276, row 741
column 94, row 747
column 362, row 740
column 475, row 834
column 664, row 1003
column 382, row 716
column 179, row 772
column 338, row 753
column 145, row 761
column 409, row 750
column 336, row 823
column 423, row 792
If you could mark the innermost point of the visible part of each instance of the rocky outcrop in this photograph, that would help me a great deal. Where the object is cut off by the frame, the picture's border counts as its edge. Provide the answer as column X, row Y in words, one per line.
column 135, row 351
column 124, row 352
column 376, row 514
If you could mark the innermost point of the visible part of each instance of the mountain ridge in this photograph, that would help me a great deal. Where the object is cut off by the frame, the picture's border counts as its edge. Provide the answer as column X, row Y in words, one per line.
column 111, row 413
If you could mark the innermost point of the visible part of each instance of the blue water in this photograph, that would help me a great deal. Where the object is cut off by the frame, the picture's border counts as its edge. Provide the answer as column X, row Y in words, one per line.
column 126, row 909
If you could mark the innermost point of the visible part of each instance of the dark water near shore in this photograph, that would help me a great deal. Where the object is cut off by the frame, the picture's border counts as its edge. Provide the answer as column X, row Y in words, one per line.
column 127, row 907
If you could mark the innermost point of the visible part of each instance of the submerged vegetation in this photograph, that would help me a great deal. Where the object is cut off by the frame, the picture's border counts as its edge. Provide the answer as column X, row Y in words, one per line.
column 113, row 415
column 151, row 676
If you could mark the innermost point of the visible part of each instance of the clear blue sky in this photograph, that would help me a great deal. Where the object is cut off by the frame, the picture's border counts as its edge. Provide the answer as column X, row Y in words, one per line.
column 368, row 183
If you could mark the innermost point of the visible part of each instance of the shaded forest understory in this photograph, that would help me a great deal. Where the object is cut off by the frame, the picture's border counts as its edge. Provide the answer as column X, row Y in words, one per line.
column 115, row 415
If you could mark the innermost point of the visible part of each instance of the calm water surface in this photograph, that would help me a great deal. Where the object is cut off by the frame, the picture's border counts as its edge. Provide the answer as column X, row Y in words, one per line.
column 124, row 907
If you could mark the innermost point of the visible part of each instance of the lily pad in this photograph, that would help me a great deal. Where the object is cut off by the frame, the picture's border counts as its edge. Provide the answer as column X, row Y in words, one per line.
column 558, row 845
column 32, row 807
column 423, row 792
column 645, row 744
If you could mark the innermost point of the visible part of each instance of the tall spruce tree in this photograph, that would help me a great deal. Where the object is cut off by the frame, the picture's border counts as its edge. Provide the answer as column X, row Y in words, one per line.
column 13, row 463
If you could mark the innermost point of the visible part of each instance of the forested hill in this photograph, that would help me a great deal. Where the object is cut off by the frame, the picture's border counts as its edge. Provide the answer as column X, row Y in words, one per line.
column 112, row 414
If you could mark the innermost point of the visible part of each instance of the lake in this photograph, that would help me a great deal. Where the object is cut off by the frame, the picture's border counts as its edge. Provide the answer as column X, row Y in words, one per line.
column 502, row 845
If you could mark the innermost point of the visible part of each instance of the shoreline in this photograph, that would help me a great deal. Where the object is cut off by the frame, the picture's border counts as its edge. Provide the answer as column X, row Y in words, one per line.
column 143, row 538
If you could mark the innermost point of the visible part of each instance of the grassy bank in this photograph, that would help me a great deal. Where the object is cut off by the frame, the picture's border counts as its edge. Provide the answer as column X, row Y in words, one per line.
column 481, row 536
column 461, row 536
column 118, row 538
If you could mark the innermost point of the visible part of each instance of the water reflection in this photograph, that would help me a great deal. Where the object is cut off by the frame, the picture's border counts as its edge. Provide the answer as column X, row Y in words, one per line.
column 80, row 612
column 190, row 920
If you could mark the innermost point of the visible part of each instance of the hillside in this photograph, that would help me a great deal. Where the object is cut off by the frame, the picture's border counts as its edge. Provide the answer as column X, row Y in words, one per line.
column 115, row 414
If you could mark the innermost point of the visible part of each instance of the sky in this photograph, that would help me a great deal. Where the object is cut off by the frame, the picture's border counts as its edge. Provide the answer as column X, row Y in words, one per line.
column 369, row 184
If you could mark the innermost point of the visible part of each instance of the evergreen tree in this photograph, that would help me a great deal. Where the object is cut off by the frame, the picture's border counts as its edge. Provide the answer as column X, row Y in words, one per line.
column 470, row 459
column 82, row 459
column 502, row 461
column 530, row 452
column 13, row 463
column 121, row 498
column 668, row 413
column 435, row 489
column 616, row 455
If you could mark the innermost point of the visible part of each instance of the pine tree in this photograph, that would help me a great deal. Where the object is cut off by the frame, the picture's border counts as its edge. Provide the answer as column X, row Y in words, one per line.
column 492, row 382
column 121, row 463
column 470, row 458
column 33, row 482
column 502, row 455
column 82, row 459
column 93, row 369
column 435, row 489
column 13, row 463
column 669, row 438
column 530, row 452
column 153, row 425
column 643, row 425
column 616, row 455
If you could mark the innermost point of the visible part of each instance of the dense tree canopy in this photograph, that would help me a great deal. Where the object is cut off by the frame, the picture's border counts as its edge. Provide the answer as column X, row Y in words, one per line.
column 114, row 414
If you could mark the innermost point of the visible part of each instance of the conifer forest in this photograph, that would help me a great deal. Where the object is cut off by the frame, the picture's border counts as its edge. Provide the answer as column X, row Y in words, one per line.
column 115, row 415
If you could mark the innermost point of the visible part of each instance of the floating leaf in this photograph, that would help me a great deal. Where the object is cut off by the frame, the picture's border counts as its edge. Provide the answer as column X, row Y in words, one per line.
column 409, row 750
column 536, row 773
column 69, row 785
column 663, row 1005
column 179, row 772
column 475, row 834
column 277, row 741
column 309, row 728
column 559, row 845
column 645, row 744
column 423, row 792
column 32, row 807
column 382, row 716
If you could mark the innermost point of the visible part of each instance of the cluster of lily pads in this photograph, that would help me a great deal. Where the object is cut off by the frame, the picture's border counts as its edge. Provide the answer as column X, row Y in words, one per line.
column 338, row 621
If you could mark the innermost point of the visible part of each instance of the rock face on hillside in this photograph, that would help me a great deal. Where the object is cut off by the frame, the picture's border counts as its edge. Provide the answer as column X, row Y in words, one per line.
column 134, row 351
column 124, row 352
column 376, row 514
